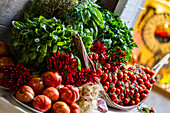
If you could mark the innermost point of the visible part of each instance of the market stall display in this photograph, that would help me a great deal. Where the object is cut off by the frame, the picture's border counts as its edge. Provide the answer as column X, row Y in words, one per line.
column 64, row 63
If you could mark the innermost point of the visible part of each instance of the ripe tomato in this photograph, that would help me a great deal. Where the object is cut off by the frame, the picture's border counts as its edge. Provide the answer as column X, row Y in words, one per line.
column 132, row 102
column 140, row 81
column 126, row 100
column 114, row 69
column 122, row 95
column 137, row 95
column 52, row 93
column 120, row 75
column 120, row 103
column 148, row 85
column 114, row 79
column 152, row 73
column 74, row 108
column 52, row 79
column 25, row 94
column 113, row 97
column 117, row 90
column 152, row 81
column 91, row 56
column 105, row 88
column 112, row 89
column 109, row 78
column 42, row 103
column 146, row 91
column 132, row 92
column 37, row 85
column 104, row 77
column 99, row 72
column 137, row 100
column 60, row 107
column 125, row 77
column 96, row 56
column 148, row 76
column 106, row 84
column 143, row 96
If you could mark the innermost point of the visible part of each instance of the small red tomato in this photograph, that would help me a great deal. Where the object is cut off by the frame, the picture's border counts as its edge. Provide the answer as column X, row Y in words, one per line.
column 122, row 95
column 91, row 56
column 148, row 85
column 74, row 108
column 152, row 81
column 117, row 90
column 132, row 102
column 148, row 76
column 37, row 85
column 25, row 94
column 52, row 93
column 99, row 67
column 106, row 84
column 99, row 72
column 42, row 103
column 146, row 91
column 114, row 79
column 96, row 56
column 147, row 70
column 126, row 100
column 121, row 89
column 144, row 78
column 132, row 92
column 104, row 77
column 120, row 103
column 112, row 90
column 143, row 96
column 118, row 84
column 125, row 77
column 105, row 88
column 137, row 95
column 120, row 75
column 152, row 73
column 114, row 69
column 107, row 65
column 137, row 100
column 140, row 81
column 113, row 97
column 109, row 79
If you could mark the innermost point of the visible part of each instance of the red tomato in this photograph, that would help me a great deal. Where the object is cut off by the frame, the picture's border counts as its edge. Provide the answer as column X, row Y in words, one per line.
column 125, row 77
column 104, row 77
column 69, row 94
column 152, row 81
column 112, row 89
column 37, row 85
column 148, row 85
column 152, row 73
column 109, row 79
column 91, row 56
column 120, row 75
column 120, row 103
column 146, row 91
column 113, row 97
column 42, row 103
column 74, row 108
column 60, row 107
column 114, row 79
column 99, row 72
column 105, row 88
column 117, row 90
column 102, row 61
column 140, row 81
column 114, row 69
column 96, row 56
column 132, row 92
column 25, row 94
column 137, row 95
column 52, row 93
column 148, row 76
column 137, row 100
column 126, row 100
column 143, row 96
column 106, row 84
column 52, row 79
column 122, row 95
column 132, row 102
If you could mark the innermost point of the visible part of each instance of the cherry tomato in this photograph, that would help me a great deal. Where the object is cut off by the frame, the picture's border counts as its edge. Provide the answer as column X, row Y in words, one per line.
column 91, row 56
column 137, row 95
column 104, row 77
column 148, row 85
column 152, row 81
column 112, row 89
column 99, row 72
column 148, row 76
column 146, row 91
column 114, row 79
column 117, row 90
column 96, row 56
column 120, row 103
column 126, row 100
column 140, row 81
column 122, row 95
column 113, row 97
column 114, row 69
column 105, row 88
column 106, row 84
column 144, row 78
column 102, row 61
column 132, row 92
column 109, row 79
column 152, row 73
column 137, row 100
column 143, row 96
column 120, row 75
column 125, row 77
column 132, row 102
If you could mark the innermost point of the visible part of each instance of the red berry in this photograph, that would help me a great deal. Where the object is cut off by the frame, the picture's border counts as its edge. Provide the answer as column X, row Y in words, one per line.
column 113, row 97
column 120, row 75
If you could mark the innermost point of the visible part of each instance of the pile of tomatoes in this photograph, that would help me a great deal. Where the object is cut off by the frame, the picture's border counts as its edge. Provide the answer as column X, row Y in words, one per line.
column 124, row 86
column 47, row 93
